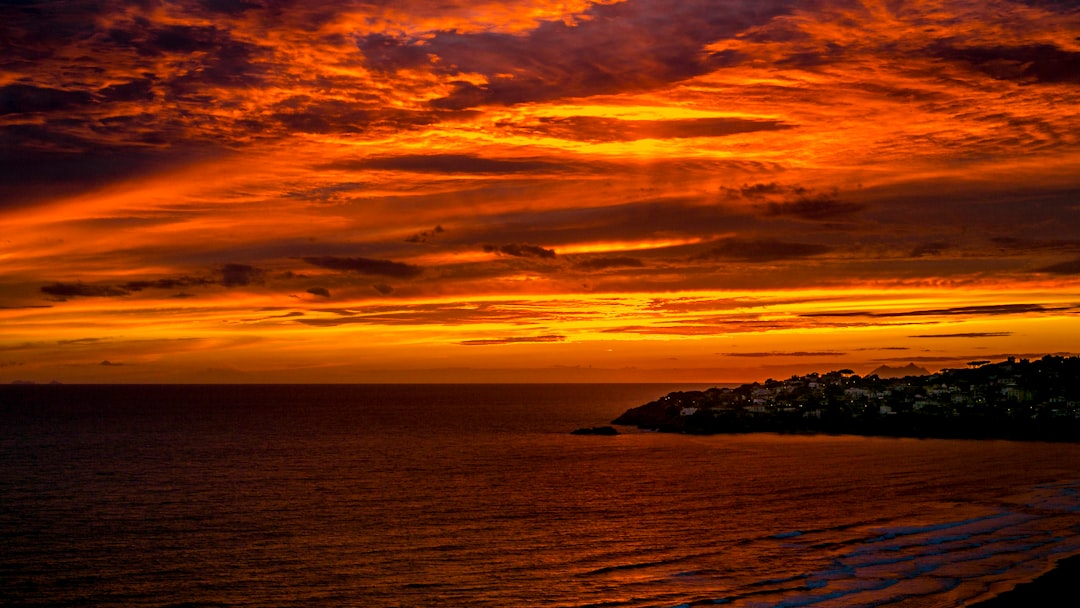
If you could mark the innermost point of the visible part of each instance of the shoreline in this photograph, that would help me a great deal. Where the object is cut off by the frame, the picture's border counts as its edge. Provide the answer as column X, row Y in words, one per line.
column 1045, row 590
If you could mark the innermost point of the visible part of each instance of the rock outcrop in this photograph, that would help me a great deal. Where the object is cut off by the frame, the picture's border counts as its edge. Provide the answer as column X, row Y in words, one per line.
column 596, row 430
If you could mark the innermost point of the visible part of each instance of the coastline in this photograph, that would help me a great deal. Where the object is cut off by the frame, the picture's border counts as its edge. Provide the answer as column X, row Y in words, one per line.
column 1045, row 590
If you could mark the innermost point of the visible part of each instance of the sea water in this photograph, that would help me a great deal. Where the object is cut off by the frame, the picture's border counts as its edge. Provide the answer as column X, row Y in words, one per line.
column 477, row 495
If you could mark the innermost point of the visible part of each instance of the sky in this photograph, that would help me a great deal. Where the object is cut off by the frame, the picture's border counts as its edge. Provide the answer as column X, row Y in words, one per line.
column 534, row 190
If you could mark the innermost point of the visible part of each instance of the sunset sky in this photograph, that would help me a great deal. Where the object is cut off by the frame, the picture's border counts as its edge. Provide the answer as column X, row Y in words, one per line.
column 534, row 190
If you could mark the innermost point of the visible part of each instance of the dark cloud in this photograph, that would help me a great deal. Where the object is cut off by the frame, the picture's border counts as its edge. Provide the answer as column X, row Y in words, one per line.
column 36, row 28
column 239, row 275
column 976, row 334
column 390, row 53
column 167, row 283
column 337, row 322
column 1065, row 6
column 593, row 264
column 309, row 121
column 220, row 59
column 90, row 68
column 992, row 309
column 134, row 90
column 22, row 99
column 625, row 221
column 798, row 353
column 755, row 191
column 129, row 222
column 107, row 363
column 447, row 163
column 494, row 341
column 921, row 359
column 777, row 200
column 518, row 312
column 1069, row 267
column 288, row 315
column 319, row 291
column 929, row 249
column 1042, row 63
column 963, row 311
column 332, row 194
column 365, row 266
column 40, row 161
column 815, row 208
column 830, row 53
column 1027, row 245
column 359, row 114
column 383, row 288
column 602, row 129
column 902, row 93
column 186, row 39
column 684, row 305
column 633, row 45
column 232, row 275
column 81, row 341
column 762, row 250
column 423, row 237
column 69, row 290
column 690, row 329
column 520, row 250
column 229, row 7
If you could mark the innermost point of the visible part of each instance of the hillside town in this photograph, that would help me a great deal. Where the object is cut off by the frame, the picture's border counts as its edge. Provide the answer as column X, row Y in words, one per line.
column 1012, row 399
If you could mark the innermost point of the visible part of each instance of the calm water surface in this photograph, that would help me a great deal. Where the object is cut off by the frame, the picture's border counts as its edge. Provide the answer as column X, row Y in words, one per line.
column 478, row 496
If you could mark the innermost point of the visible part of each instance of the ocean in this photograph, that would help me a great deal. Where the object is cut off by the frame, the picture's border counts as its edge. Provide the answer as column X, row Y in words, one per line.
column 478, row 495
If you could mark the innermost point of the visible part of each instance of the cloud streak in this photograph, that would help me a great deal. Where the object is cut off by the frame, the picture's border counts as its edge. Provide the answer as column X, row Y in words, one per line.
column 762, row 250
column 521, row 250
column 366, row 266
column 512, row 340
column 772, row 354
column 603, row 129
column 69, row 290
column 972, row 334
column 963, row 311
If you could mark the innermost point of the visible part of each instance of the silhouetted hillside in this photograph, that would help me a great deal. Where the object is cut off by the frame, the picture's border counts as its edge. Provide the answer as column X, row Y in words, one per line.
column 1036, row 400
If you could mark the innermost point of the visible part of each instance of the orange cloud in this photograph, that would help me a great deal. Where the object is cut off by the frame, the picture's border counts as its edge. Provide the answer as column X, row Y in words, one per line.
column 196, row 186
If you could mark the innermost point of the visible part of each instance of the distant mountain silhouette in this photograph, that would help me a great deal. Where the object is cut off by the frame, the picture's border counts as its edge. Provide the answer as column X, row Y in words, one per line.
column 887, row 371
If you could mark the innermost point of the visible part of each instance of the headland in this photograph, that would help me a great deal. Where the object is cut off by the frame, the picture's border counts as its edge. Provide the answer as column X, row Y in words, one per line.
column 1018, row 399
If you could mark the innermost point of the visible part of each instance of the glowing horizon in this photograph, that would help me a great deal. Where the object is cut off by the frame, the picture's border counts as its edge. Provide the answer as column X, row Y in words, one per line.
column 534, row 190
